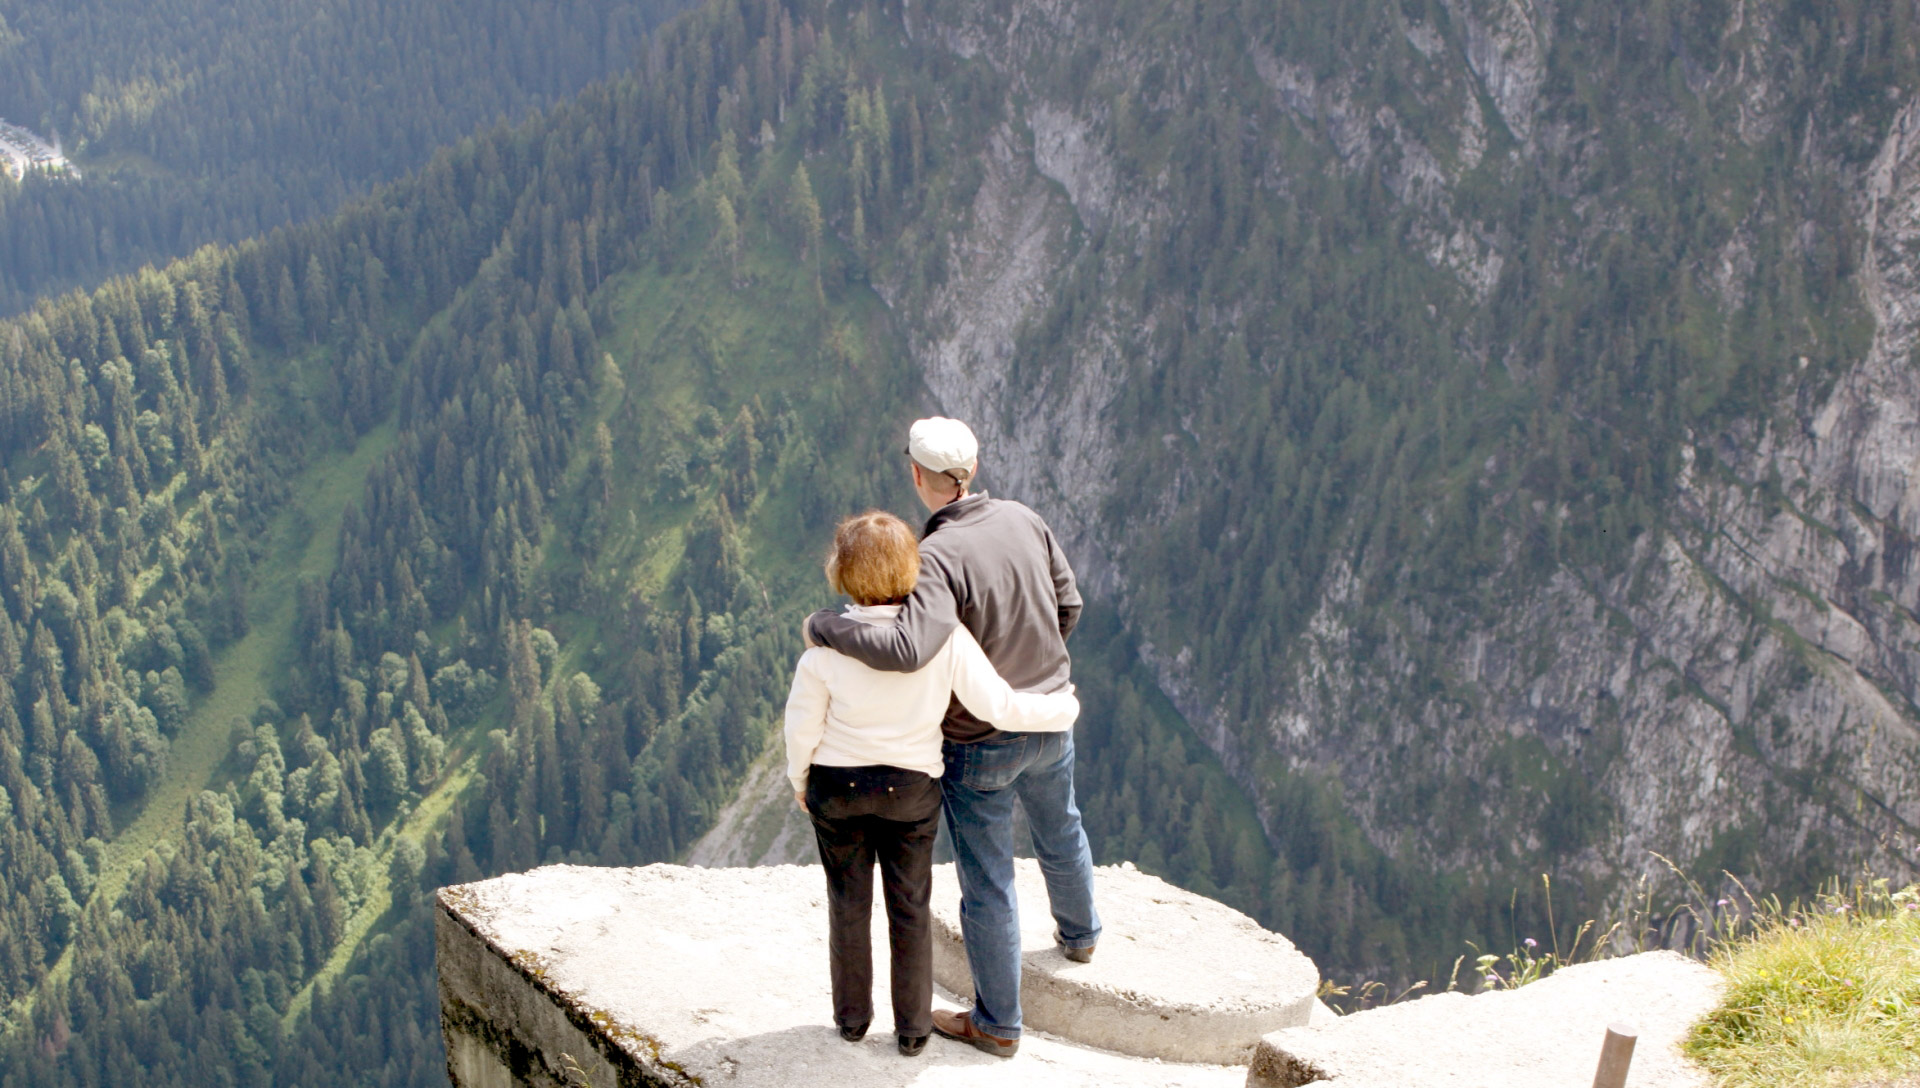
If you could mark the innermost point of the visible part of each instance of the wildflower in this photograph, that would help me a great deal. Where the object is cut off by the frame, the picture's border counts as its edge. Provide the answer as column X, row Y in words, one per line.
column 1722, row 903
column 1531, row 943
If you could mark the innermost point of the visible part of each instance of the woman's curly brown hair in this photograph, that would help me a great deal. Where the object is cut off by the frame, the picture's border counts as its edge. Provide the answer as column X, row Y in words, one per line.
column 875, row 559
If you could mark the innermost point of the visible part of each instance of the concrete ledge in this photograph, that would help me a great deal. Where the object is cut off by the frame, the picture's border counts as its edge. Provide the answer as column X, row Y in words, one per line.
column 668, row 976
column 1177, row 976
column 1545, row 1035
column 507, row 1024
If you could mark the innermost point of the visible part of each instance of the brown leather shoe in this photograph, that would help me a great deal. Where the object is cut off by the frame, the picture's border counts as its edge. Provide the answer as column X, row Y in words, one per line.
column 959, row 1025
column 1077, row 955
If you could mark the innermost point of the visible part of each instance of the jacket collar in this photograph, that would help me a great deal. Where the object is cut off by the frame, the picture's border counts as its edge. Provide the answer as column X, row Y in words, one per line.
column 958, row 510
column 880, row 615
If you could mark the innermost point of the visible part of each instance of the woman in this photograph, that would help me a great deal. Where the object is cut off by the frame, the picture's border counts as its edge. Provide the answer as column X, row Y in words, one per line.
column 863, row 754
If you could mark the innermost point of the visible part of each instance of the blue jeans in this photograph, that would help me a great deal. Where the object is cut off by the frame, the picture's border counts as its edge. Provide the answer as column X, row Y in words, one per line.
column 980, row 783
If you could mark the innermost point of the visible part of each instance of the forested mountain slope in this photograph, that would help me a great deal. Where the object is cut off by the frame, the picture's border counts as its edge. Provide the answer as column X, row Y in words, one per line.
column 198, row 121
column 581, row 382
column 1491, row 426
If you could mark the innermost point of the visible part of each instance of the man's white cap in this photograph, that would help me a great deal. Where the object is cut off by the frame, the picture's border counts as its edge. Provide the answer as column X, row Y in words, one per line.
column 939, row 444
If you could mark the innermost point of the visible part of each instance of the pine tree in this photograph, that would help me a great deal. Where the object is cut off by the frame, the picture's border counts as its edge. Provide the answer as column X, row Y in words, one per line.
column 804, row 211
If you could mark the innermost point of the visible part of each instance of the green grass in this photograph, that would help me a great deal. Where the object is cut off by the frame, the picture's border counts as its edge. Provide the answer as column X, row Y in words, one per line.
column 687, row 338
column 1825, row 996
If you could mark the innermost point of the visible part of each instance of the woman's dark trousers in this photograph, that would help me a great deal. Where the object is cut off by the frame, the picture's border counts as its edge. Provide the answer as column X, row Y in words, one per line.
column 886, row 814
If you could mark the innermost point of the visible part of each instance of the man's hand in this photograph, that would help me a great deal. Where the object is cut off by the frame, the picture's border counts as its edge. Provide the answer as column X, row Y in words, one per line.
column 800, row 798
column 806, row 632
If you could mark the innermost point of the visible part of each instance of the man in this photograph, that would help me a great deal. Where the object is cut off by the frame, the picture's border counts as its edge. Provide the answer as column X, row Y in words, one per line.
column 994, row 566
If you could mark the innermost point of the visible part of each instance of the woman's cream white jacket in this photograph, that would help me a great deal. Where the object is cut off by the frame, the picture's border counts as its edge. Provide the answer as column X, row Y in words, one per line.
column 841, row 713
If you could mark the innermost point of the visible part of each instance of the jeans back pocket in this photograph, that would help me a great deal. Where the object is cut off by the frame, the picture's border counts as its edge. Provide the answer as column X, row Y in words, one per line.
column 989, row 766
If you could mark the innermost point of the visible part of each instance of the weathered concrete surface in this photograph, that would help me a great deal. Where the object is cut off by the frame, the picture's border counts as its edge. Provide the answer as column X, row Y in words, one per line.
column 1176, row 976
column 674, row 976
column 1545, row 1035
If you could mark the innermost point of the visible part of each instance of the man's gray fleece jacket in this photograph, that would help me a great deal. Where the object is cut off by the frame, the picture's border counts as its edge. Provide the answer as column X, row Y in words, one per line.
column 994, row 566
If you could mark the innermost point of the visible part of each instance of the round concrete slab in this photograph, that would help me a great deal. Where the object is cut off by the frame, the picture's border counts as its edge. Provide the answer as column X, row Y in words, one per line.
column 1176, row 976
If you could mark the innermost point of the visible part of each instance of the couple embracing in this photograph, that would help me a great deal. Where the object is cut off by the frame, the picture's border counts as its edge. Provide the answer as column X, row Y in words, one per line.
column 943, row 687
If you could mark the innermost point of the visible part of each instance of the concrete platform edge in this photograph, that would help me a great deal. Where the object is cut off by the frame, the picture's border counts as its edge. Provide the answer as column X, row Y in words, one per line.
column 484, row 986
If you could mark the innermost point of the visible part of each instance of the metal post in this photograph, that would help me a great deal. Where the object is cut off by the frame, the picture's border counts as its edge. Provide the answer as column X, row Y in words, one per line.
column 1616, row 1054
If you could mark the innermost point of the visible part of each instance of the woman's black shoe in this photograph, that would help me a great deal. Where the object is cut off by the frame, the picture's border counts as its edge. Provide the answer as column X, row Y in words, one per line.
column 912, row 1045
column 853, row 1035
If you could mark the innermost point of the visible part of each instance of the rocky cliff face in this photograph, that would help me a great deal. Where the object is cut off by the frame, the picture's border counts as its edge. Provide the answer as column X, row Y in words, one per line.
column 1741, row 688
column 1737, row 688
